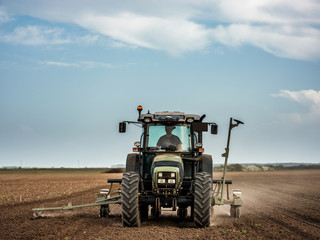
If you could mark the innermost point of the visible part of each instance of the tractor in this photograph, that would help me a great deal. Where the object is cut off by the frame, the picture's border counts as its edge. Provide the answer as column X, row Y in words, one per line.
column 169, row 170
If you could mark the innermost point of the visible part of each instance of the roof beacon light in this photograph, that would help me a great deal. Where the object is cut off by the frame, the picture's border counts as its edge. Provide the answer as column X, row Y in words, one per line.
column 139, row 108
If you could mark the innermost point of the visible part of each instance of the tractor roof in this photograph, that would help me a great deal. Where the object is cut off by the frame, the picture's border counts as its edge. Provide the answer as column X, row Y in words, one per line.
column 168, row 116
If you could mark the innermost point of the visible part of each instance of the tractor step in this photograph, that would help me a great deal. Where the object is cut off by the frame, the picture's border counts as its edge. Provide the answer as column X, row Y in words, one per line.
column 220, row 181
column 114, row 180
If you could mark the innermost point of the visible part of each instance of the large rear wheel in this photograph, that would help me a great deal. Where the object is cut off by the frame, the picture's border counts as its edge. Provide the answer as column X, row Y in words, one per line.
column 130, row 200
column 202, row 199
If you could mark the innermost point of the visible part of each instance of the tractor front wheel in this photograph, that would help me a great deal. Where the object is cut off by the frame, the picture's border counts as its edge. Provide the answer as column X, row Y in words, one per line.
column 130, row 200
column 202, row 199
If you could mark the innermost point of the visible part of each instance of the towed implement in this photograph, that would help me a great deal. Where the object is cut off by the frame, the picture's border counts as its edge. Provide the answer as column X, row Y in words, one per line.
column 168, row 171
column 104, row 199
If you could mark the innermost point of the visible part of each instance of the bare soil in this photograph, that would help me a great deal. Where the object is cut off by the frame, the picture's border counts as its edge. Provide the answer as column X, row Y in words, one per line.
column 277, row 205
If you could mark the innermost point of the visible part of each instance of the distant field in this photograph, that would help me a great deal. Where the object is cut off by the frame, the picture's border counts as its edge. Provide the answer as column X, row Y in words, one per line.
column 60, row 170
column 265, row 167
column 230, row 168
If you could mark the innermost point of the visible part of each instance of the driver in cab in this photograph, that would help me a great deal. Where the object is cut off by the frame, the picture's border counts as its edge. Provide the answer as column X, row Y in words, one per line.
column 169, row 140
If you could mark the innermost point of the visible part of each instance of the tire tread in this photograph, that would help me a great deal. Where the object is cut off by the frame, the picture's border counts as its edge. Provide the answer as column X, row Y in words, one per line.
column 202, row 199
column 130, row 200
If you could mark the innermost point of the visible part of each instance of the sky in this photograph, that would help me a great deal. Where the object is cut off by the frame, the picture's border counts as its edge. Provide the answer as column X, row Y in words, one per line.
column 70, row 71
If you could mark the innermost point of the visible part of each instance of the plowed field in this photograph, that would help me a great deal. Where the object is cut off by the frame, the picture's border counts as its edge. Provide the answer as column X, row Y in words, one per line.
column 277, row 205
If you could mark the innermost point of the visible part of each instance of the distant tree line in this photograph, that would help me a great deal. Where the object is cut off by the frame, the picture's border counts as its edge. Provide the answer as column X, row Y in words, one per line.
column 298, row 167
column 266, row 167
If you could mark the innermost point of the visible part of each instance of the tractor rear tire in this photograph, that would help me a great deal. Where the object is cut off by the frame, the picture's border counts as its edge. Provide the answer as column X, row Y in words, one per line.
column 130, row 200
column 202, row 199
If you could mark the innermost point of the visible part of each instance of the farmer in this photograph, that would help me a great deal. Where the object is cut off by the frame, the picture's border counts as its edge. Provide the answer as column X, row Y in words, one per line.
column 169, row 139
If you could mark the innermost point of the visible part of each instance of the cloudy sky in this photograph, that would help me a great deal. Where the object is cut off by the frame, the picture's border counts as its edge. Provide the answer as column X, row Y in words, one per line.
column 71, row 70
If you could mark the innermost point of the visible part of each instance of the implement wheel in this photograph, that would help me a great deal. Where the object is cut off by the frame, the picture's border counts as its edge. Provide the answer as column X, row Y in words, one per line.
column 202, row 199
column 235, row 212
column 104, row 211
column 182, row 213
column 144, row 210
column 130, row 200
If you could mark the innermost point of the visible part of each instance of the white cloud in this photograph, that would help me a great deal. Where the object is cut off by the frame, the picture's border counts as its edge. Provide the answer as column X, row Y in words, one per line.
column 87, row 39
column 270, row 12
column 304, row 96
column 4, row 17
column 285, row 28
column 117, row 44
column 93, row 64
column 80, row 64
column 171, row 35
column 35, row 35
column 39, row 35
column 309, row 98
column 288, row 42
column 60, row 64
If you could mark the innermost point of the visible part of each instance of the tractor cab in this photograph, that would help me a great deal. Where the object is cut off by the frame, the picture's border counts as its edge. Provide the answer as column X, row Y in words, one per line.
column 167, row 158
column 169, row 135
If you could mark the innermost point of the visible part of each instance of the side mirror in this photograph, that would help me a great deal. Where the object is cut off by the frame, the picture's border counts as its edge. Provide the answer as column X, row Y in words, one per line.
column 122, row 127
column 214, row 129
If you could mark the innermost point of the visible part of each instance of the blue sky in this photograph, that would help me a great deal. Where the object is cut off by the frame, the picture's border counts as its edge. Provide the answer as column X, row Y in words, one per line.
column 71, row 70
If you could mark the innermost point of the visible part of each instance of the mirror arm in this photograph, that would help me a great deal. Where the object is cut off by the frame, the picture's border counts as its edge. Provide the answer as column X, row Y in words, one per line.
column 134, row 123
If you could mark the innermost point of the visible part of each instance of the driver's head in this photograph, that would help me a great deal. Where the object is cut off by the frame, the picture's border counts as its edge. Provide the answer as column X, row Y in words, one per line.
column 169, row 129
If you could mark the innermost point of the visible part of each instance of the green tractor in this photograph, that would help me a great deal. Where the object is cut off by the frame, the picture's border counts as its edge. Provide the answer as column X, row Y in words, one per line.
column 169, row 170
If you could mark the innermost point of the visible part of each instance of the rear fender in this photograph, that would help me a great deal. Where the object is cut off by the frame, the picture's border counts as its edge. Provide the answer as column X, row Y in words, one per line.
column 205, row 164
column 132, row 163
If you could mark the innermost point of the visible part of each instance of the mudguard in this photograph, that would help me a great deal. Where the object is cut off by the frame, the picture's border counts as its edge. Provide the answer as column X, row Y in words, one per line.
column 206, row 164
column 132, row 163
